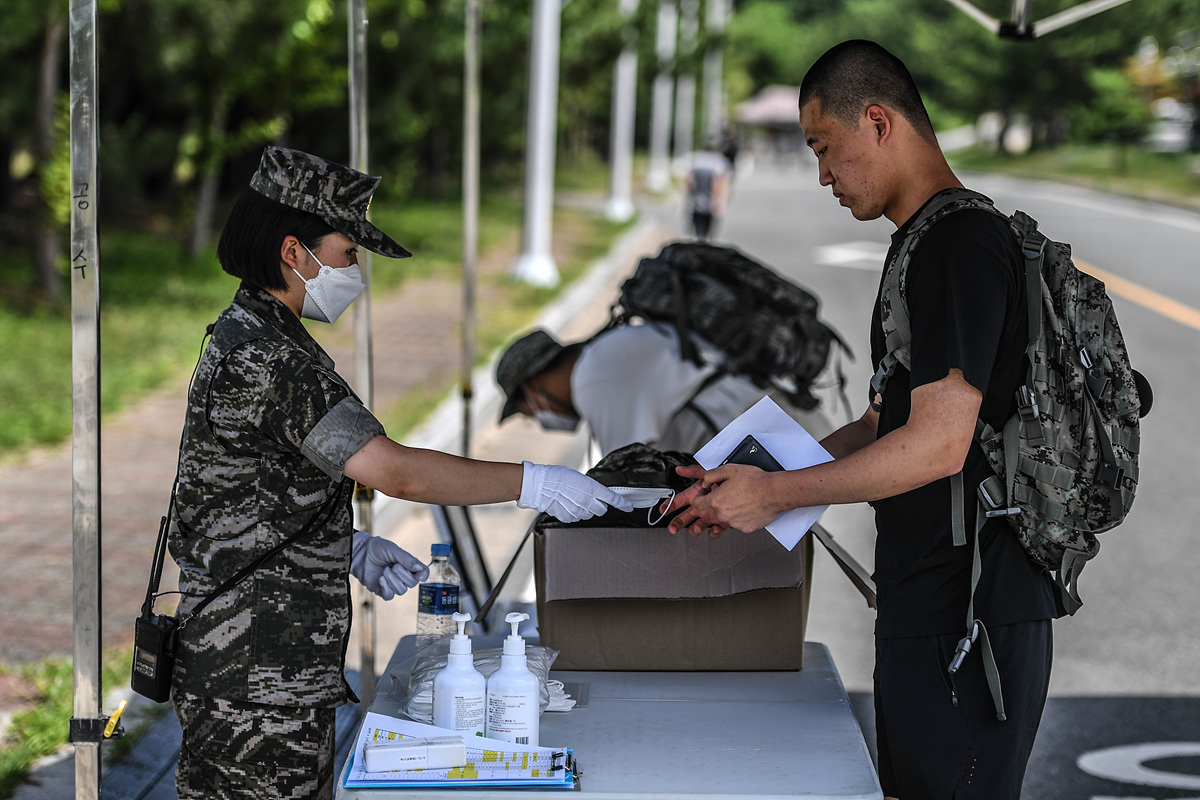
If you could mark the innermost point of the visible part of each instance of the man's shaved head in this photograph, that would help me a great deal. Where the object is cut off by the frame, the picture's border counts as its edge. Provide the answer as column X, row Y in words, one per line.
column 857, row 74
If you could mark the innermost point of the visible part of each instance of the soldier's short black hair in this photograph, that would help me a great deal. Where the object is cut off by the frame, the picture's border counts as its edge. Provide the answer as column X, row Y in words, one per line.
column 854, row 75
column 254, row 233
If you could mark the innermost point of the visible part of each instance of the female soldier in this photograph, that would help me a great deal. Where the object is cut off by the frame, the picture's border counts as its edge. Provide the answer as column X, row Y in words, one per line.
column 273, row 442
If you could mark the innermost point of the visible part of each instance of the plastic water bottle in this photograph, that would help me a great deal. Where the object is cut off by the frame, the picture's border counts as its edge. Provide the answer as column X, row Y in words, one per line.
column 437, row 598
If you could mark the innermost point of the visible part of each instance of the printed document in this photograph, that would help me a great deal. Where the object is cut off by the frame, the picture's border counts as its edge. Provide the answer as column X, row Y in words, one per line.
column 791, row 445
column 489, row 761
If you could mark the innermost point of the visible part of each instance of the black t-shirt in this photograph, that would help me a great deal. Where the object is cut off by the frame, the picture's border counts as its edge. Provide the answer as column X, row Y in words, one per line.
column 966, row 301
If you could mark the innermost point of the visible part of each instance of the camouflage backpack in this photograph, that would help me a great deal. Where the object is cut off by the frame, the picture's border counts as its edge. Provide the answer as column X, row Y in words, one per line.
column 1066, row 464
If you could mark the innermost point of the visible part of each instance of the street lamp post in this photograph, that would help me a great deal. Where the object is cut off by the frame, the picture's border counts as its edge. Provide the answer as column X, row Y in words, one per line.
column 714, row 96
column 620, row 201
column 535, row 265
column 658, row 176
column 685, row 84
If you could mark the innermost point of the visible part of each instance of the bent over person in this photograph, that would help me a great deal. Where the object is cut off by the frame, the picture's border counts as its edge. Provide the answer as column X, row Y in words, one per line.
column 939, row 734
column 630, row 384
column 262, row 531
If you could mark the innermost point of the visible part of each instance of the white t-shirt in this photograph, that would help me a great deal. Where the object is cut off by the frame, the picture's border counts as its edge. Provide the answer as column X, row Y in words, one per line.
column 631, row 385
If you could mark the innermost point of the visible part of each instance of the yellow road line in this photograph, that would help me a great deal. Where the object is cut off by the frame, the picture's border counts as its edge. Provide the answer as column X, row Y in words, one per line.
column 1161, row 304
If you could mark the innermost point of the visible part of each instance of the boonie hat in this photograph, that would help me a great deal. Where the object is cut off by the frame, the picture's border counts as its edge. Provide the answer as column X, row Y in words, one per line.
column 525, row 358
column 335, row 193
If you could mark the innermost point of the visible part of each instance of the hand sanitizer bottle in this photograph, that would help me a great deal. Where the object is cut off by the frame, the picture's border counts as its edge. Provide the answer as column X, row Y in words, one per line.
column 460, row 690
column 513, row 692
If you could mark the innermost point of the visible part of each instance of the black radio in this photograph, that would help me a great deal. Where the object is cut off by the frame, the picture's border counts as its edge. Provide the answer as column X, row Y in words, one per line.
column 153, row 656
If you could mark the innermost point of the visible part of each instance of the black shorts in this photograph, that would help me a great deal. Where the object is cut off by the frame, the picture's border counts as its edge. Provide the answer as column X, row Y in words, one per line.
column 938, row 735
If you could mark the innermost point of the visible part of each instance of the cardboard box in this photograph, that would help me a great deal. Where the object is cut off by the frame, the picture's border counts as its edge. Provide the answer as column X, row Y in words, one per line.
column 640, row 599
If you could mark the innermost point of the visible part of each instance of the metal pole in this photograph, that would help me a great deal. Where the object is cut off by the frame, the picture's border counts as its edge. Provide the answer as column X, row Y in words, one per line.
column 658, row 175
column 620, row 201
column 535, row 265
column 470, row 208
column 85, row 381
column 713, row 91
column 356, row 14
column 685, row 84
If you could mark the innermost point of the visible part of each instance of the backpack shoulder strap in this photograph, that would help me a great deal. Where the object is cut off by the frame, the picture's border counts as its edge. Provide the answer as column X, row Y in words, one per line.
column 897, row 328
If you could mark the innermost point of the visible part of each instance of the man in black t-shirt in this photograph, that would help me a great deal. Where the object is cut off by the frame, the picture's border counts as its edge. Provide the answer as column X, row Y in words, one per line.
column 938, row 733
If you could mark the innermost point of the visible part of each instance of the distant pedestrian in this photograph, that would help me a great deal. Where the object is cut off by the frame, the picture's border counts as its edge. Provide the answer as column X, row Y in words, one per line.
column 273, row 443
column 707, row 190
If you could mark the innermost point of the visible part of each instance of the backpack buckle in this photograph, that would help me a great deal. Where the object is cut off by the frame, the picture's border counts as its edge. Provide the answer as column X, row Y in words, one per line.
column 878, row 383
column 1111, row 475
column 991, row 497
column 964, row 647
column 1027, row 406
column 1033, row 244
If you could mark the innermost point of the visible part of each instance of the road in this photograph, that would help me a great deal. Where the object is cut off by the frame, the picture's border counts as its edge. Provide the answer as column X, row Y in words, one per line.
column 1124, row 716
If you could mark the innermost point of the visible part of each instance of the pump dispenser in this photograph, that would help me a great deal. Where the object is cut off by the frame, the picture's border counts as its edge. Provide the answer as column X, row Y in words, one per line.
column 513, row 692
column 459, row 689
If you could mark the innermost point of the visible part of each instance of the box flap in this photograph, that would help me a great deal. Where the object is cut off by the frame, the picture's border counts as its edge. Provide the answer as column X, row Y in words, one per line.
column 594, row 563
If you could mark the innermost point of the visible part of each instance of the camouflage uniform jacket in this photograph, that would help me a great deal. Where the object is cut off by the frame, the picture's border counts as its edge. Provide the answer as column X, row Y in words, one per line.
column 268, row 430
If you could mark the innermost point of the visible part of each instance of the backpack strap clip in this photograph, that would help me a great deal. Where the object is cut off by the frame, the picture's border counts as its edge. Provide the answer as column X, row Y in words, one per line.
column 1027, row 405
column 992, row 498
column 1097, row 384
column 879, row 380
column 964, row 647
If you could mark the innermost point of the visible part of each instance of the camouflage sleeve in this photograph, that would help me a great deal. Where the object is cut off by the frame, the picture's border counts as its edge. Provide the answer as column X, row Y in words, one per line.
column 340, row 434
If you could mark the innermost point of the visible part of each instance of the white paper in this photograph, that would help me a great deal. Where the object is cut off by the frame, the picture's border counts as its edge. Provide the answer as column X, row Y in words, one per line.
column 489, row 759
column 791, row 445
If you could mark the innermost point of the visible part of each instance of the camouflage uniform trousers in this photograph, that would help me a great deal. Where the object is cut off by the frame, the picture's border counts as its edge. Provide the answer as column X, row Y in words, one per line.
column 253, row 752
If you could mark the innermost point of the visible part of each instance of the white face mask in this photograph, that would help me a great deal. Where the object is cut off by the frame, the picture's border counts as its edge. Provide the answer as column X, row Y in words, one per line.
column 555, row 420
column 331, row 292
column 647, row 497
column 549, row 419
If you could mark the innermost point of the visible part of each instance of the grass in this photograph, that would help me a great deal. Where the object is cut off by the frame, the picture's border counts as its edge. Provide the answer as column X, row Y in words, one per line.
column 156, row 305
column 42, row 728
column 1167, row 177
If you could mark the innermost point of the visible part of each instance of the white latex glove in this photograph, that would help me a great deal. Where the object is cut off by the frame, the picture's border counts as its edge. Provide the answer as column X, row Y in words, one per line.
column 566, row 494
column 383, row 567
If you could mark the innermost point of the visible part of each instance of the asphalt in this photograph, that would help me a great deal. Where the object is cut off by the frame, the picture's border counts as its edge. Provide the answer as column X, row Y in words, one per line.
column 415, row 333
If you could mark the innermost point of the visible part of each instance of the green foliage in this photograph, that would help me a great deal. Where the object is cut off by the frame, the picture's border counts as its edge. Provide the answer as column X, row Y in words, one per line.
column 962, row 68
column 42, row 729
column 1118, row 111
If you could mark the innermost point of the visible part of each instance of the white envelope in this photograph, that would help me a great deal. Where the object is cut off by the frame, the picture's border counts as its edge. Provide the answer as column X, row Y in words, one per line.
column 788, row 442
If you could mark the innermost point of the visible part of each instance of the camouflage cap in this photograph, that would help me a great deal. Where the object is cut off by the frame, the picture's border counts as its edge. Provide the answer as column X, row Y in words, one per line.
column 525, row 358
column 335, row 193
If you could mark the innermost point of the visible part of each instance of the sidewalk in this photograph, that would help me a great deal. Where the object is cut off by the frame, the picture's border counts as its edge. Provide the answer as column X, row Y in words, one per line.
column 414, row 331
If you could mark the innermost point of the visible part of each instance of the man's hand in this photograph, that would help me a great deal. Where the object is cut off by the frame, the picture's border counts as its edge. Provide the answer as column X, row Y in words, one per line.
column 730, row 496
column 687, row 500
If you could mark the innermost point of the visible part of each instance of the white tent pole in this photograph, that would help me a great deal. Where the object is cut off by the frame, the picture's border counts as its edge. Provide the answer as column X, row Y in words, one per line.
column 356, row 22
column 535, row 265
column 470, row 207
column 624, row 107
column 658, row 174
column 85, row 380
